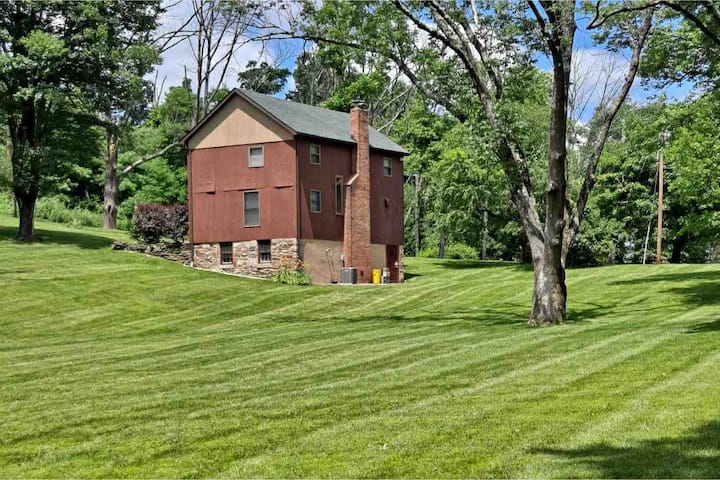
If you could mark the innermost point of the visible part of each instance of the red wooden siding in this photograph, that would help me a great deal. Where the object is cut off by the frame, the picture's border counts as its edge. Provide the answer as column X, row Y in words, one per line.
column 218, row 178
column 386, row 201
column 335, row 159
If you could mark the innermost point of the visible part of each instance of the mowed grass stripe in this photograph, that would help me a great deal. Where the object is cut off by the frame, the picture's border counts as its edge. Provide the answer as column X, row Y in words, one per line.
column 133, row 366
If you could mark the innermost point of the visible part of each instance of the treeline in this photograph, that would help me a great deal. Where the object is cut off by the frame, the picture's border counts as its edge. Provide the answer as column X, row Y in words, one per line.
column 87, row 135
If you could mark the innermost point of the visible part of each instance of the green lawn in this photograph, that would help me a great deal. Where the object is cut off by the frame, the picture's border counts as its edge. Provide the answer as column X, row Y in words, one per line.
column 114, row 364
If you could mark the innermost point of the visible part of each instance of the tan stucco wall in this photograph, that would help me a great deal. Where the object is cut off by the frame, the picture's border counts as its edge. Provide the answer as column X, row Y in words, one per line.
column 317, row 264
column 377, row 256
column 238, row 123
column 316, row 260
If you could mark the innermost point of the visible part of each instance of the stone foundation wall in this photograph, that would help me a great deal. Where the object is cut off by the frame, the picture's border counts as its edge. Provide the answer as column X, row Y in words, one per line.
column 246, row 259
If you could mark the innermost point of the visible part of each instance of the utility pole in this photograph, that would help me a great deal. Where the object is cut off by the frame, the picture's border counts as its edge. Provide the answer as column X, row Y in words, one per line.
column 416, row 207
column 661, row 168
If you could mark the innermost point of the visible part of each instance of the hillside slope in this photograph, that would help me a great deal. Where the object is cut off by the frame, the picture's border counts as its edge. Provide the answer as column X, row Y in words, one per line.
column 114, row 364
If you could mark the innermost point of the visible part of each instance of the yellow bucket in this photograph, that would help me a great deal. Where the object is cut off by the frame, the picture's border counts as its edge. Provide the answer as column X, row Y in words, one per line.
column 377, row 273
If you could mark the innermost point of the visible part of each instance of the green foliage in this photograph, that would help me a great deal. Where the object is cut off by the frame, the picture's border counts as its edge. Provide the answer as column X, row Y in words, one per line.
column 291, row 272
column 56, row 209
column 263, row 77
column 460, row 251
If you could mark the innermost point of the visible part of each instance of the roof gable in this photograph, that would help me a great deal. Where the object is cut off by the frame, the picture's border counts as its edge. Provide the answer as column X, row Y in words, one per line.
column 301, row 119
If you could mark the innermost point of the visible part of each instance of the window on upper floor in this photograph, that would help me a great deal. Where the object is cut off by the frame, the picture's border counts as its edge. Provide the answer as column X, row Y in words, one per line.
column 387, row 166
column 315, row 201
column 314, row 154
column 339, row 188
column 251, row 209
column 256, row 156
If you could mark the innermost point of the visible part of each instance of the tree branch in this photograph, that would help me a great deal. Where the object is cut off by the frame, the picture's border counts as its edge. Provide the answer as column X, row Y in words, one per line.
column 147, row 158
column 607, row 117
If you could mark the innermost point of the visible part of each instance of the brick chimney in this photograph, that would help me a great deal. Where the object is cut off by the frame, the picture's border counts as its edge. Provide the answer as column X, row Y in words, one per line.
column 356, row 239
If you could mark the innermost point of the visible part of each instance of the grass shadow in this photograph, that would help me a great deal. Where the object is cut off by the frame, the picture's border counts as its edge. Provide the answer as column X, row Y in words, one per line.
column 694, row 455
column 77, row 238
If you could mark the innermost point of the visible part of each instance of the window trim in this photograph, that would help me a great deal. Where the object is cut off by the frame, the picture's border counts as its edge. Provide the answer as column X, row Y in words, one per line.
column 340, row 205
column 259, row 253
column 245, row 224
column 232, row 253
column 262, row 150
column 319, row 154
column 389, row 161
column 319, row 210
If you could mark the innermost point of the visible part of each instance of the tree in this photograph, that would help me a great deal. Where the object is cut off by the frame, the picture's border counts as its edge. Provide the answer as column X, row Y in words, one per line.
column 484, row 42
column 54, row 64
column 126, row 93
column 263, row 78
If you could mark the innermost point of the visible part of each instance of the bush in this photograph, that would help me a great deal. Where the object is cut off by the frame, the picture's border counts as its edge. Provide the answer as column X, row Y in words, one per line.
column 291, row 272
column 153, row 222
column 460, row 251
column 55, row 209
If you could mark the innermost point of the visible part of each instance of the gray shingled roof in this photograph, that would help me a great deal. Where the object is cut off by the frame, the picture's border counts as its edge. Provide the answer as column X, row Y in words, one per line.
column 317, row 122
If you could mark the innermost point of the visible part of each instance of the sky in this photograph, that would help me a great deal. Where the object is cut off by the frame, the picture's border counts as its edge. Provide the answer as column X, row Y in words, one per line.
column 593, row 63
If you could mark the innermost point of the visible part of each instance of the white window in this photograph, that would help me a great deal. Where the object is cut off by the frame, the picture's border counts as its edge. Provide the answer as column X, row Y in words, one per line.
column 339, row 206
column 387, row 166
column 251, row 209
column 315, row 201
column 256, row 157
column 314, row 154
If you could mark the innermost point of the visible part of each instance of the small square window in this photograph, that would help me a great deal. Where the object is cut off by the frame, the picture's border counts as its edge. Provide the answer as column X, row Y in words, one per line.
column 226, row 253
column 315, row 201
column 251, row 209
column 256, row 157
column 314, row 154
column 387, row 166
column 264, row 251
column 339, row 188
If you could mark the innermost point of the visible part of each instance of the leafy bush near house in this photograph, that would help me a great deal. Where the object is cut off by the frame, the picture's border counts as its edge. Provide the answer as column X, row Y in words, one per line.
column 153, row 222
column 291, row 272
column 460, row 251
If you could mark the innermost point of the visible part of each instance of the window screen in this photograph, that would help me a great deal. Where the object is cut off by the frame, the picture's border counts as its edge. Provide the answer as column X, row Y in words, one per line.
column 251, row 204
column 256, row 157
column 264, row 252
column 226, row 253
column 339, row 205
column 315, row 201
column 314, row 154
column 387, row 167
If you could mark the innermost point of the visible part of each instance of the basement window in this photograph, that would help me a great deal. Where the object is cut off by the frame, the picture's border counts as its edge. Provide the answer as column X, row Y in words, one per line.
column 256, row 157
column 226, row 253
column 264, row 251
column 314, row 154
column 315, row 201
column 251, row 209
column 387, row 166
column 339, row 205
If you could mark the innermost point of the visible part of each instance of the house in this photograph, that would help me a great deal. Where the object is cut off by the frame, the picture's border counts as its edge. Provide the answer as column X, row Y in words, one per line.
column 273, row 181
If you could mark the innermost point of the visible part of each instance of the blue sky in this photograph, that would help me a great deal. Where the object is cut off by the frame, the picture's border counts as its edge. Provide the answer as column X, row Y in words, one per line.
column 589, row 57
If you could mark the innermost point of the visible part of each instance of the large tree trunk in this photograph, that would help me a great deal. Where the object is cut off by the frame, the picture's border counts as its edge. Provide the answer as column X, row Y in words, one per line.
column 550, row 291
column 110, row 204
column 26, row 211
column 677, row 248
